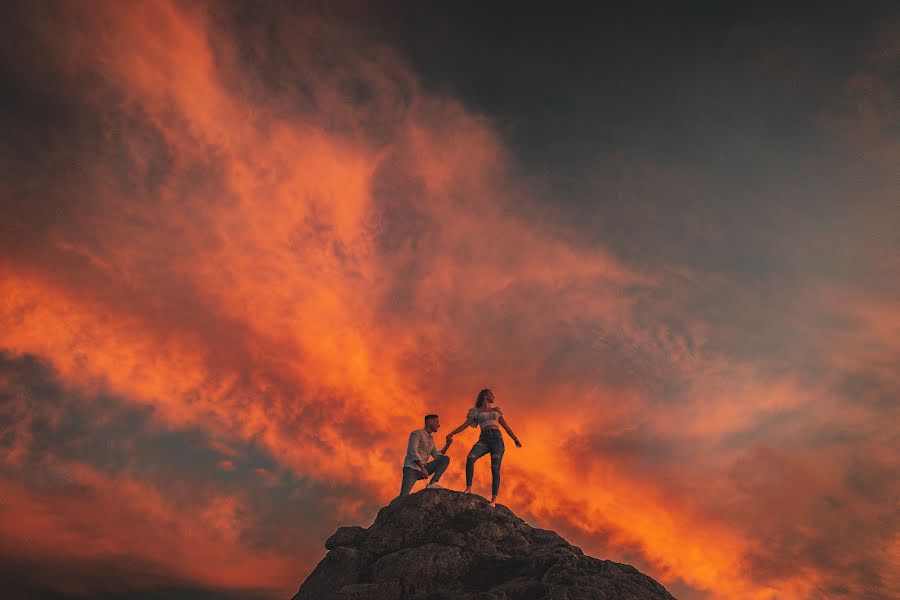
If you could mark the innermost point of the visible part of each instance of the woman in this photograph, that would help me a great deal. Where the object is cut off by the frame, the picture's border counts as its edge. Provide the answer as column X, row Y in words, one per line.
column 490, row 418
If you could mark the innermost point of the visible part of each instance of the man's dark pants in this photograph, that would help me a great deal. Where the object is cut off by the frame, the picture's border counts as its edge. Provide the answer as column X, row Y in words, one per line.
column 411, row 476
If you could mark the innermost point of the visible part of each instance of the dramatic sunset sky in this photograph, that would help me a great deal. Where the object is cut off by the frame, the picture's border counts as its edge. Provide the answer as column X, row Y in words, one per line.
column 245, row 247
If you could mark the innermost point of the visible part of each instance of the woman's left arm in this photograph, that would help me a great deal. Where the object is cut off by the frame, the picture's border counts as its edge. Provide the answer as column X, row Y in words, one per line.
column 505, row 426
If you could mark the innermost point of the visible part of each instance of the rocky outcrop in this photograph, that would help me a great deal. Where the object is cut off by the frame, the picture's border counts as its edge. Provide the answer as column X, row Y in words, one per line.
column 439, row 544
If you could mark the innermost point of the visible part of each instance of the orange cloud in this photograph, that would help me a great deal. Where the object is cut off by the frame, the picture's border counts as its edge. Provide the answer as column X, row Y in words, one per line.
column 94, row 517
column 313, row 264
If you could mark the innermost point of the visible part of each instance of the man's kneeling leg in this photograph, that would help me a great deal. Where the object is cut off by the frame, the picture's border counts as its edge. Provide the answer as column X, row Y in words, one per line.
column 437, row 467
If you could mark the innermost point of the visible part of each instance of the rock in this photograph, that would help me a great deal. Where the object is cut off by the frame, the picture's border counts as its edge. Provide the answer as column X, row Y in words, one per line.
column 445, row 545
column 344, row 536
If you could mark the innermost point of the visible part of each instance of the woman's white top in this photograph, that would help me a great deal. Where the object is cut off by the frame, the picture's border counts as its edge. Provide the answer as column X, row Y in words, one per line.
column 485, row 418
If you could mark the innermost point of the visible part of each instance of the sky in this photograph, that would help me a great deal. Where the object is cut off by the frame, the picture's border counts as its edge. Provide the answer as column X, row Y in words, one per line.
column 245, row 247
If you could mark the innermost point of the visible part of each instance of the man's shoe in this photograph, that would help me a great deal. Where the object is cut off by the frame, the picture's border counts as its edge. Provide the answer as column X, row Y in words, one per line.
column 434, row 486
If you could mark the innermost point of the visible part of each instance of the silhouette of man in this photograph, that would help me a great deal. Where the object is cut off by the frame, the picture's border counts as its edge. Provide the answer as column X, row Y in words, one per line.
column 418, row 450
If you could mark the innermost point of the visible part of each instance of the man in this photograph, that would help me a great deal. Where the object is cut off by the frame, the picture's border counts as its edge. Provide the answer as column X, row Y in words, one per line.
column 418, row 450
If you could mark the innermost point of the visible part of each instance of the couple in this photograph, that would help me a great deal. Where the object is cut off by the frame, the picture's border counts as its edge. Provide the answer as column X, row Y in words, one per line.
column 421, row 446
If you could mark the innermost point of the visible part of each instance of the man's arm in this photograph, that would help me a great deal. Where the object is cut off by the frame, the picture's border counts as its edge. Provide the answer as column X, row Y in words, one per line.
column 439, row 453
column 413, row 448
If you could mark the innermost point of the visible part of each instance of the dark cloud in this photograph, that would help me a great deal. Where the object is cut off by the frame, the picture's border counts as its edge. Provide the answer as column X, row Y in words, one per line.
column 834, row 517
column 48, row 432
column 122, row 578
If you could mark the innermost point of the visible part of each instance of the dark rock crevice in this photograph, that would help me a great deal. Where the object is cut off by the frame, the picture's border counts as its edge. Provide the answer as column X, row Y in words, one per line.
column 444, row 545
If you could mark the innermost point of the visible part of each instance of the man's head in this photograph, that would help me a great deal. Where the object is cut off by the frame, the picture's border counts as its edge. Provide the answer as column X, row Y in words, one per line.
column 432, row 423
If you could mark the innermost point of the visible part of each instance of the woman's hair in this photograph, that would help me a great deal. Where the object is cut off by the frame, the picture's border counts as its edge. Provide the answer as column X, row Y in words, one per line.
column 479, row 401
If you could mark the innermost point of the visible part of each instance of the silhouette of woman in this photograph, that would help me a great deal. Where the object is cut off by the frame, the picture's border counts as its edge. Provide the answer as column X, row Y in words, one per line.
column 490, row 418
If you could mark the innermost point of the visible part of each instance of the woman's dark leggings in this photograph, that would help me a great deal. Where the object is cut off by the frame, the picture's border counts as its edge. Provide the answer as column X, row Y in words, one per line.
column 490, row 441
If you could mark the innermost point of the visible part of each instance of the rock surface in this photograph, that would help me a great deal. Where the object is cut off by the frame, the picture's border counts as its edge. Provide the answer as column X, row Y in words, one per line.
column 439, row 544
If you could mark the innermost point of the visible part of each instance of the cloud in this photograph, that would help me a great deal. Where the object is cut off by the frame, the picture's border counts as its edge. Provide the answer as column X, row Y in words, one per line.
column 256, row 251
column 94, row 480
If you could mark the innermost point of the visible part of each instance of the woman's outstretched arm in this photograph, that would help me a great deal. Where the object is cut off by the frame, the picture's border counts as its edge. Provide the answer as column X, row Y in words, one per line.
column 465, row 424
column 505, row 426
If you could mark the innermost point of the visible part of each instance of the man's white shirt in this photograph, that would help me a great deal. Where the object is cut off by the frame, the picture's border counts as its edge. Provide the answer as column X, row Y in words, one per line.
column 421, row 446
